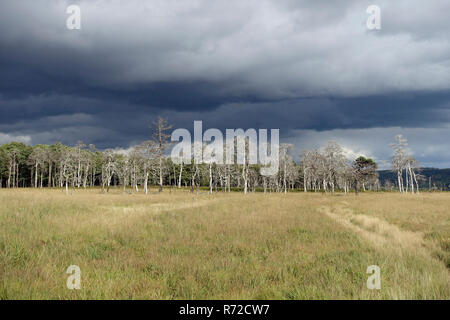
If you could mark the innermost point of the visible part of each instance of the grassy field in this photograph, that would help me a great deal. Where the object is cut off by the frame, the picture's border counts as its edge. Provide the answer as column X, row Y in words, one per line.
column 177, row 245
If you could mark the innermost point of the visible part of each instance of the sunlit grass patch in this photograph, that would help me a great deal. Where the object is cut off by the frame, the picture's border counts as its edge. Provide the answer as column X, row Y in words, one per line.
column 177, row 245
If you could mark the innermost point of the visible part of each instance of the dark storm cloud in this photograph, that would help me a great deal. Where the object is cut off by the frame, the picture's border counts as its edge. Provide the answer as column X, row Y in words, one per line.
column 125, row 123
column 264, row 49
column 301, row 66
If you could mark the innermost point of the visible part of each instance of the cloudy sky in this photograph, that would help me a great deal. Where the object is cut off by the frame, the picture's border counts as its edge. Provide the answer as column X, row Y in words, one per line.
column 310, row 68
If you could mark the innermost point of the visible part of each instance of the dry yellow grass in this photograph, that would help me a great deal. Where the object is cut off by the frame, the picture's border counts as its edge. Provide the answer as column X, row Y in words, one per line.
column 177, row 245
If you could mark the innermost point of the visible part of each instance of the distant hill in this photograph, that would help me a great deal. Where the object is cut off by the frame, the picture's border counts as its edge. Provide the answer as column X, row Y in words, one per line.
column 440, row 178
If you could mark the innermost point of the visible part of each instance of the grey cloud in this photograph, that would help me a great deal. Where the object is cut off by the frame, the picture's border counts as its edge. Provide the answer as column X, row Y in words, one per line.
column 280, row 49
column 428, row 145
column 7, row 138
column 309, row 68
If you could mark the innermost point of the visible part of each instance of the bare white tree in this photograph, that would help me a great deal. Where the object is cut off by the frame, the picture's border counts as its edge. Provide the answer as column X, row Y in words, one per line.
column 402, row 160
column 161, row 139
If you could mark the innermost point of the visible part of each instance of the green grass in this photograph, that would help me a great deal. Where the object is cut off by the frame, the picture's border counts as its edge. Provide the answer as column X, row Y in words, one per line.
column 178, row 245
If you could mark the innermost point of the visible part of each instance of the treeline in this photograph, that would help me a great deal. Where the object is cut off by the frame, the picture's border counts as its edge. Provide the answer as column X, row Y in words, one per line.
column 81, row 166
column 432, row 179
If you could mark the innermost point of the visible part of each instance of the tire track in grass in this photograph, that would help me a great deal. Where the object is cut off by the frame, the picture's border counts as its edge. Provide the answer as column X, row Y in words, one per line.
column 378, row 232
column 396, row 243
